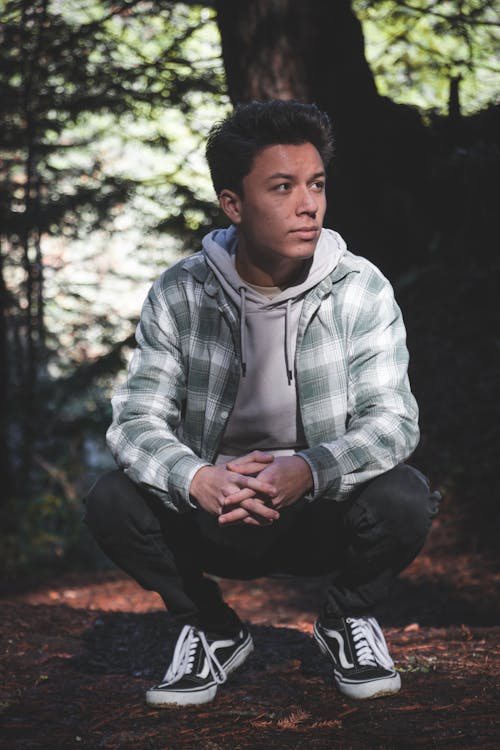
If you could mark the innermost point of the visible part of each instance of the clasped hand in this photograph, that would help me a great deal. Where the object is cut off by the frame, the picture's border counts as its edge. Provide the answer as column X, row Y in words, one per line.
column 251, row 489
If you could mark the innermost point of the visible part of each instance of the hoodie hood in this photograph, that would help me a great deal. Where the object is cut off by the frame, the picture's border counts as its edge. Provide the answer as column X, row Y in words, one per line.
column 219, row 248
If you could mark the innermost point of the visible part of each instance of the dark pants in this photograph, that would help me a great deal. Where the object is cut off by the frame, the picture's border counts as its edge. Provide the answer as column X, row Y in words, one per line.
column 358, row 545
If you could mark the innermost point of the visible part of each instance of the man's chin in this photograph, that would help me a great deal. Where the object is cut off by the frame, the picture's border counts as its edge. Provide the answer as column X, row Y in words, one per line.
column 303, row 249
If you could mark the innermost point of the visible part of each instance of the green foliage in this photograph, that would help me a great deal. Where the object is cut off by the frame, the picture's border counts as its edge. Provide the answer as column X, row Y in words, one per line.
column 422, row 664
column 103, row 106
column 46, row 531
column 416, row 48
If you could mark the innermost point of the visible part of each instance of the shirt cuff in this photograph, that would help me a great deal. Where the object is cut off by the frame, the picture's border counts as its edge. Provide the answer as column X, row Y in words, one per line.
column 180, row 477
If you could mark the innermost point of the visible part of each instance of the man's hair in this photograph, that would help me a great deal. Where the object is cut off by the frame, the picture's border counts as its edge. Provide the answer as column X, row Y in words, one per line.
column 234, row 142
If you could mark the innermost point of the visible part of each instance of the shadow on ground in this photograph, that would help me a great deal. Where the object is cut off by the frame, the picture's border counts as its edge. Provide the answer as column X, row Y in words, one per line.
column 80, row 653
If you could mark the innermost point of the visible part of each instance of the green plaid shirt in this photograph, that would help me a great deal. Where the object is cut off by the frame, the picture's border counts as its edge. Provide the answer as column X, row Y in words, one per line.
column 358, row 413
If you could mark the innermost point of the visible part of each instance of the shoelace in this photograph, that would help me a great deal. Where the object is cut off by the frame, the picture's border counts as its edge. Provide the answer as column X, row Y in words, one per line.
column 369, row 642
column 184, row 654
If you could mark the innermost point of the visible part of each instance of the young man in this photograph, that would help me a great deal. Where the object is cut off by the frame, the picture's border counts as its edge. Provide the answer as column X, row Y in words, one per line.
column 265, row 419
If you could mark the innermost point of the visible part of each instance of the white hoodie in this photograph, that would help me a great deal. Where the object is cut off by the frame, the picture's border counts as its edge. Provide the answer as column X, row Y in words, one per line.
column 266, row 415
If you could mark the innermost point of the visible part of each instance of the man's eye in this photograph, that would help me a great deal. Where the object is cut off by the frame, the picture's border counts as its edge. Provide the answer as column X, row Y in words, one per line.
column 283, row 187
column 319, row 185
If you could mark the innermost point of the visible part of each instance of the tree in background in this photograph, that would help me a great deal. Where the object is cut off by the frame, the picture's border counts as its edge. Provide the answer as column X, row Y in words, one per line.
column 69, row 74
column 48, row 81
column 384, row 183
column 439, row 56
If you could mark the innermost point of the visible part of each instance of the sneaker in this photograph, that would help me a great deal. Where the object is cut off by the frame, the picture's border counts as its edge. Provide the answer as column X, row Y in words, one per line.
column 200, row 664
column 362, row 664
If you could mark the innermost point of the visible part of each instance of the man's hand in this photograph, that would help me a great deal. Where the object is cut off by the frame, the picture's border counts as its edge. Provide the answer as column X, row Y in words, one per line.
column 289, row 475
column 218, row 490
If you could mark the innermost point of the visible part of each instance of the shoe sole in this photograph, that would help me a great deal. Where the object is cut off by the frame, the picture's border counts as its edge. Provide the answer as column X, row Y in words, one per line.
column 205, row 694
column 365, row 691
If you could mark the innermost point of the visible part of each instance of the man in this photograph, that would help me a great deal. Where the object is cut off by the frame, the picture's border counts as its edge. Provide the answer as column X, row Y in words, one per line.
column 266, row 418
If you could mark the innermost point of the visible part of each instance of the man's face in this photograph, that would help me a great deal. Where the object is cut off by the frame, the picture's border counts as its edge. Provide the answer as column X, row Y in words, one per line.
column 281, row 212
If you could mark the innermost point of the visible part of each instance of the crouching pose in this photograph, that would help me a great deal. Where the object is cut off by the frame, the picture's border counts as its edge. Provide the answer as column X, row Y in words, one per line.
column 266, row 418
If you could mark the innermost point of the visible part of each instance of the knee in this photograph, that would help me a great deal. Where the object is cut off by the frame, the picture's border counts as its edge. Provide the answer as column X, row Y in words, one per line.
column 106, row 503
column 400, row 502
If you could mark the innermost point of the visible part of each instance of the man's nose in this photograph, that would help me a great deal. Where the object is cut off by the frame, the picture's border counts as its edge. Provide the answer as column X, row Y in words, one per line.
column 307, row 202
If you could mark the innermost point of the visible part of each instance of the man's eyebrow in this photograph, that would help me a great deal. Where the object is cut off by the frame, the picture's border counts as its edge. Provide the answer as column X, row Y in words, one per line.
column 285, row 176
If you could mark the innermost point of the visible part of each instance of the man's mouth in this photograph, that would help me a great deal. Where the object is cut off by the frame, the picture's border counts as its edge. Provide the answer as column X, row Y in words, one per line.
column 305, row 233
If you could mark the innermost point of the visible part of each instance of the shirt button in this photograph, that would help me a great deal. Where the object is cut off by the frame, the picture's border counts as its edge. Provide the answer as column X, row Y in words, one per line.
column 224, row 414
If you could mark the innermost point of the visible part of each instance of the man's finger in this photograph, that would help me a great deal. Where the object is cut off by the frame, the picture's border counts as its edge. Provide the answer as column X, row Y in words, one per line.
column 251, row 504
column 247, row 520
column 251, row 467
column 254, row 483
column 259, row 457
column 237, row 519
column 233, row 516
column 240, row 481
column 257, row 508
column 251, row 485
column 235, row 496
column 250, row 507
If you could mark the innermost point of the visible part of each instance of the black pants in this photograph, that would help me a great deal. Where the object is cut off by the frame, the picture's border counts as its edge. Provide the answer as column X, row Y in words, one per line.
column 358, row 546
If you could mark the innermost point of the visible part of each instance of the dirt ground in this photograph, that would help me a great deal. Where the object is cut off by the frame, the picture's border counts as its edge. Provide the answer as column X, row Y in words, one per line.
column 80, row 650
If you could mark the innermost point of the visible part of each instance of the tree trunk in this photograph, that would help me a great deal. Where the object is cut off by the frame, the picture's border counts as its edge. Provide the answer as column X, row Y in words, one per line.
column 5, row 467
column 286, row 49
column 315, row 52
column 34, row 18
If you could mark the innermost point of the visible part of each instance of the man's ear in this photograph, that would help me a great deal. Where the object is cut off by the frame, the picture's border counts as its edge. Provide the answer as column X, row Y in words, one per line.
column 230, row 202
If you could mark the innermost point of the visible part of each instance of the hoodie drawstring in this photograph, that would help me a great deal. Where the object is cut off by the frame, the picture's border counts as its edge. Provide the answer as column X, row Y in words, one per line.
column 243, row 335
column 243, row 330
column 288, row 343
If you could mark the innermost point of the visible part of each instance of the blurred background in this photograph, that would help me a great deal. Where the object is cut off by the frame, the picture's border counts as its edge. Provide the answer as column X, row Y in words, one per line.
column 104, row 110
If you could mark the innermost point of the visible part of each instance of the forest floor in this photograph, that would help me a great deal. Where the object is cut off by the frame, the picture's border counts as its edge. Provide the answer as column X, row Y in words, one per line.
column 80, row 650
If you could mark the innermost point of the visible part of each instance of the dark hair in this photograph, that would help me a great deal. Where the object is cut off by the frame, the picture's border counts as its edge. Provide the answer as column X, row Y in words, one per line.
column 234, row 142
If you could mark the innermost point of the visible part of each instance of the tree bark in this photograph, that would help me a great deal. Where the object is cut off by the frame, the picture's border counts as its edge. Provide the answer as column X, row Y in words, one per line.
column 35, row 14
column 286, row 49
column 5, row 467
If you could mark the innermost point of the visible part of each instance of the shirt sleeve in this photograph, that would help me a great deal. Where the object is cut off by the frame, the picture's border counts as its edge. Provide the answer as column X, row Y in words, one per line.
column 382, row 421
column 147, row 408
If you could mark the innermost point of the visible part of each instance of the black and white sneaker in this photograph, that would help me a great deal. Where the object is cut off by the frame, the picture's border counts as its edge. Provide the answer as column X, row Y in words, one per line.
column 362, row 664
column 199, row 665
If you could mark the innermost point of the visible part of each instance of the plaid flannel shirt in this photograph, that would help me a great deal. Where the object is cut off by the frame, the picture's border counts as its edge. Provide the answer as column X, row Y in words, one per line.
column 358, row 413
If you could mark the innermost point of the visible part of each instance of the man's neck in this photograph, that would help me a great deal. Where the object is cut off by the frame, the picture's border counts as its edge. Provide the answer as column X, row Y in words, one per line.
column 283, row 273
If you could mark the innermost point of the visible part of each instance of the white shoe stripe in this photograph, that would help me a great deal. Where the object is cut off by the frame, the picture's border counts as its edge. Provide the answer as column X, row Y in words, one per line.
column 344, row 661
